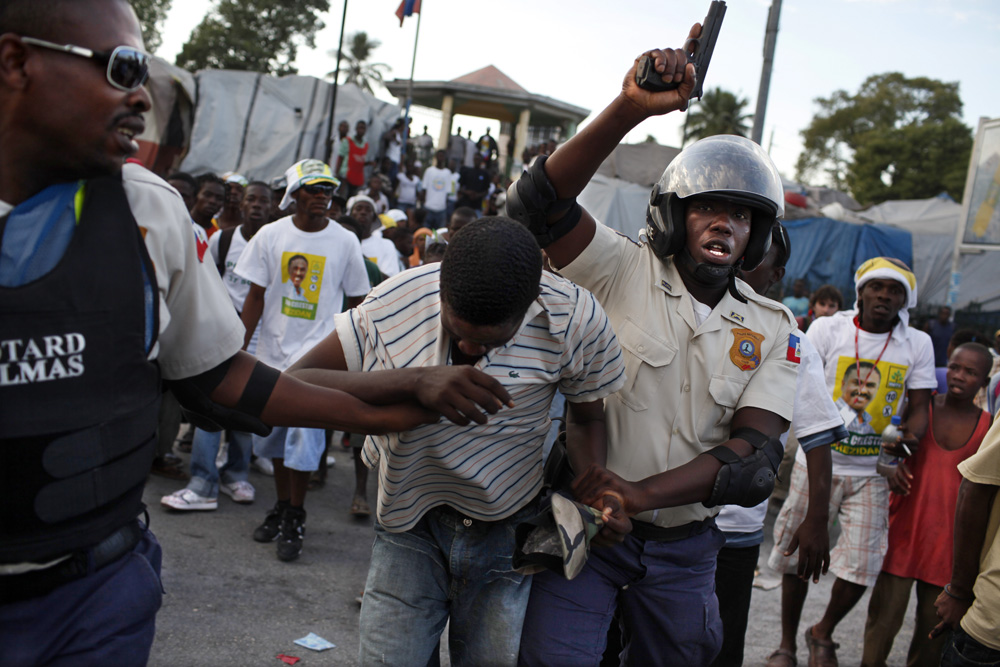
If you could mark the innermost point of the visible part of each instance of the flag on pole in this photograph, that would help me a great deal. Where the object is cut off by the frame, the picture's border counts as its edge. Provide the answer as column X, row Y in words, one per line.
column 407, row 8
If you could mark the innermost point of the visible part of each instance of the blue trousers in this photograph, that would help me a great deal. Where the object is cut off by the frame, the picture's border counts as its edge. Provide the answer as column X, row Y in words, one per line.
column 205, row 475
column 666, row 594
column 964, row 651
column 444, row 567
column 106, row 618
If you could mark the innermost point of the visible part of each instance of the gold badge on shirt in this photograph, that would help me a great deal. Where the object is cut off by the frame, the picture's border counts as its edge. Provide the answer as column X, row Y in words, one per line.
column 745, row 352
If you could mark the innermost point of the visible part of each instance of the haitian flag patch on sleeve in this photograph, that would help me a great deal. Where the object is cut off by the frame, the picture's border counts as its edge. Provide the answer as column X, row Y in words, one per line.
column 793, row 349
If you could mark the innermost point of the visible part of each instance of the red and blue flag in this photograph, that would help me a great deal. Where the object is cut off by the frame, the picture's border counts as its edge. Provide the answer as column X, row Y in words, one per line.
column 407, row 8
column 793, row 349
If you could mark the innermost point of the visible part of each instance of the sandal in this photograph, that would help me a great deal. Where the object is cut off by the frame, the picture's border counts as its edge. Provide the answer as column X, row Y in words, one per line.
column 782, row 658
column 360, row 508
column 822, row 652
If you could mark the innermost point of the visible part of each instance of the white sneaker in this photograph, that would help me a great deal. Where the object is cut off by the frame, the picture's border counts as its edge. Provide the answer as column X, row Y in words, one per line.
column 330, row 461
column 263, row 465
column 186, row 499
column 240, row 492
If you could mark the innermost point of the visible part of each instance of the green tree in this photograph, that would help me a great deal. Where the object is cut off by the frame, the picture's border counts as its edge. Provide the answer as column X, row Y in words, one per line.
column 354, row 67
column 151, row 15
column 896, row 138
column 718, row 112
column 253, row 35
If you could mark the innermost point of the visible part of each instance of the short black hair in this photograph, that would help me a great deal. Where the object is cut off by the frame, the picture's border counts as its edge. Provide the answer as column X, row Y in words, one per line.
column 984, row 355
column 209, row 177
column 182, row 176
column 491, row 271
column 351, row 224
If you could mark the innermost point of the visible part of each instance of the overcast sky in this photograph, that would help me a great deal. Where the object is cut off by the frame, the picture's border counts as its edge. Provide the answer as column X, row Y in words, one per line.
column 578, row 51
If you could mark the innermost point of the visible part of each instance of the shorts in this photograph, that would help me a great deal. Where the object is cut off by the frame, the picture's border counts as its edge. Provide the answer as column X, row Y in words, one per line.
column 301, row 448
column 861, row 504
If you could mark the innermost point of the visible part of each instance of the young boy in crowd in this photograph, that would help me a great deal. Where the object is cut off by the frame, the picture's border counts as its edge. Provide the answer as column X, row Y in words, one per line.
column 922, row 515
column 825, row 301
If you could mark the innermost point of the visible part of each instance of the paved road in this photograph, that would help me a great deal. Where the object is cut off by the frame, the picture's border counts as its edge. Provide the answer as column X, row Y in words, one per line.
column 230, row 602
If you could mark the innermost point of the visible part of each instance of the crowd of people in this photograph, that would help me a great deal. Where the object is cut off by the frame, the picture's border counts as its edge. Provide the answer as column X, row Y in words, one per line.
column 437, row 318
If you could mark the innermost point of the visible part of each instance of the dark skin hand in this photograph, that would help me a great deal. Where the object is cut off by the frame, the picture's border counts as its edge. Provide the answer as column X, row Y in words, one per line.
column 575, row 162
column 686, row 484
column 586, row 445
column 972, row 515
column 461, row 394
column 296, row 403
column 812, row 537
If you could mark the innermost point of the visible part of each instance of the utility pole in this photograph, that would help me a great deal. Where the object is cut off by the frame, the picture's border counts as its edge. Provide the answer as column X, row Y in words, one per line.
column 770, row 39
column 328, row 154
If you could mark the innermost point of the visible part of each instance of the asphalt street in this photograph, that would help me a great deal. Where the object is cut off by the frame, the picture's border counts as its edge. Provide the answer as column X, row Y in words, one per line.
column 230, row 602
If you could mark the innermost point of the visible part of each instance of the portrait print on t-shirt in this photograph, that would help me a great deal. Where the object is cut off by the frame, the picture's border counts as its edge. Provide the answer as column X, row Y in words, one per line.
column 302, row 280
column 867, row 394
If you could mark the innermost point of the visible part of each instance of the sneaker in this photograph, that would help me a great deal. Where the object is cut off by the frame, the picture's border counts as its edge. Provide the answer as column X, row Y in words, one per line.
column 263, row 466
column 293, row 529
column 186, row 499
column 268, row 531
column 240, row 492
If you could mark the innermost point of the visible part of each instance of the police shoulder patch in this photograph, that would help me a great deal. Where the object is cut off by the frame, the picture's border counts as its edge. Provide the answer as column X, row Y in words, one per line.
column 745, row 352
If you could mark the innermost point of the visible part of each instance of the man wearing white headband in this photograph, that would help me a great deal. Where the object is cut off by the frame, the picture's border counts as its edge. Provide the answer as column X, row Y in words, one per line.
column 869, row 352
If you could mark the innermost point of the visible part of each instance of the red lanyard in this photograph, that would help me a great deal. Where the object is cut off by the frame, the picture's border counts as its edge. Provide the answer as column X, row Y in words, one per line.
column 857, row 355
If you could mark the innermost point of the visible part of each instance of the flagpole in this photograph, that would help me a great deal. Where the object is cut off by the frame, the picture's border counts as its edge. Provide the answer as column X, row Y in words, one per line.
column 328, row 154
column 409, row 85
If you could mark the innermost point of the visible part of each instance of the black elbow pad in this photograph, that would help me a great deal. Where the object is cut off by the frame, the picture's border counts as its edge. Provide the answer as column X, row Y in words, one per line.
column 746, row 481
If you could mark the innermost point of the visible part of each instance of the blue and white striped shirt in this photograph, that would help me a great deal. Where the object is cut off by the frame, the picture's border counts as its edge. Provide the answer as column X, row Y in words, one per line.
column 486, row 471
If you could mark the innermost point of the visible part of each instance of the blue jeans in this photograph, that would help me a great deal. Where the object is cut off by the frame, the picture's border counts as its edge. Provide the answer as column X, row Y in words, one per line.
column 666, row 594
column 204, row 450
column 445, row 566
column 964, row 651
column 435, row 219
column 104, row 618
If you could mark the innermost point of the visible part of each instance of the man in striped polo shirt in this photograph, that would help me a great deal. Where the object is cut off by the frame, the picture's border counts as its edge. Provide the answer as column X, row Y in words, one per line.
column 450, row 496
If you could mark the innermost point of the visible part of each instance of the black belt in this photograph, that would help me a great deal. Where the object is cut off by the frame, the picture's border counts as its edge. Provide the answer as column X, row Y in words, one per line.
column 654, row 533
column 18, row 587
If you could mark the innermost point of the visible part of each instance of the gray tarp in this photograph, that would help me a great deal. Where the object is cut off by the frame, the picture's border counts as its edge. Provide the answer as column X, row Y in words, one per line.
column 260, row 125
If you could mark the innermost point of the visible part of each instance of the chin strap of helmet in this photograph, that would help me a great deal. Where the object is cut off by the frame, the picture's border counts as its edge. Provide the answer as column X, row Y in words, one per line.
column 711, row 275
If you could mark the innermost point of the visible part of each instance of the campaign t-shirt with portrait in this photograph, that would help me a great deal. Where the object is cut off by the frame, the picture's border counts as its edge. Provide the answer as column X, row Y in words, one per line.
column 305, row 276
column 868, row 383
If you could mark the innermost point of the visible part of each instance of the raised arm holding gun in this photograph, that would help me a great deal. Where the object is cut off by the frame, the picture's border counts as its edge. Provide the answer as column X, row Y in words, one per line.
column 696, row 424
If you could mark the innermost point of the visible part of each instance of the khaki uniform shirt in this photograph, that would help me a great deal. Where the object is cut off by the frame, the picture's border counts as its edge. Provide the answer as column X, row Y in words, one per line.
column 684, row 381
column 982, row 621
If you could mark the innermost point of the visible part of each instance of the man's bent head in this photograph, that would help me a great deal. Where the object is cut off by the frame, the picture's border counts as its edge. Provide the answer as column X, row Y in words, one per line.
column 490, row 272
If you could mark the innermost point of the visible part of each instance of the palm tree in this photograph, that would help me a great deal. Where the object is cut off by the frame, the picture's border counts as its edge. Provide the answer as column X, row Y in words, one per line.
column 356, row 66
column 719, row 112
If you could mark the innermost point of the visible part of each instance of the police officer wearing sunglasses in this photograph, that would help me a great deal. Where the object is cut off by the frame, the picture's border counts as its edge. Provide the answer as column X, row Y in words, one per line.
column 103, row 292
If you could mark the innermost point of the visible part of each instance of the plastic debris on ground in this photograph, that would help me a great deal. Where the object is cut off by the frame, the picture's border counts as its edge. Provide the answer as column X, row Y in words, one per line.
column 315, row 642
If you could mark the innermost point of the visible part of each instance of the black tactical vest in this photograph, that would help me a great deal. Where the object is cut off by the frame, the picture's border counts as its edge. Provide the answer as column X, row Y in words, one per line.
column 78, row 396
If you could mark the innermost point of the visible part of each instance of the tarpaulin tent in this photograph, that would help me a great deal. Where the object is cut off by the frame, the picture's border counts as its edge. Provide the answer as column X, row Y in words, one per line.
column 259, row 125
column 168, row 123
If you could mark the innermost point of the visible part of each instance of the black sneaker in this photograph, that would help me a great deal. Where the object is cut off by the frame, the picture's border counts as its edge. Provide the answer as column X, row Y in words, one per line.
column 293, row 529
column 268, row 531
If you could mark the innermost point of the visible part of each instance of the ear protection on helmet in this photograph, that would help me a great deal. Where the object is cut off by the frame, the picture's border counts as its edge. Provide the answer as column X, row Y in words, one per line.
column 726, row 167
